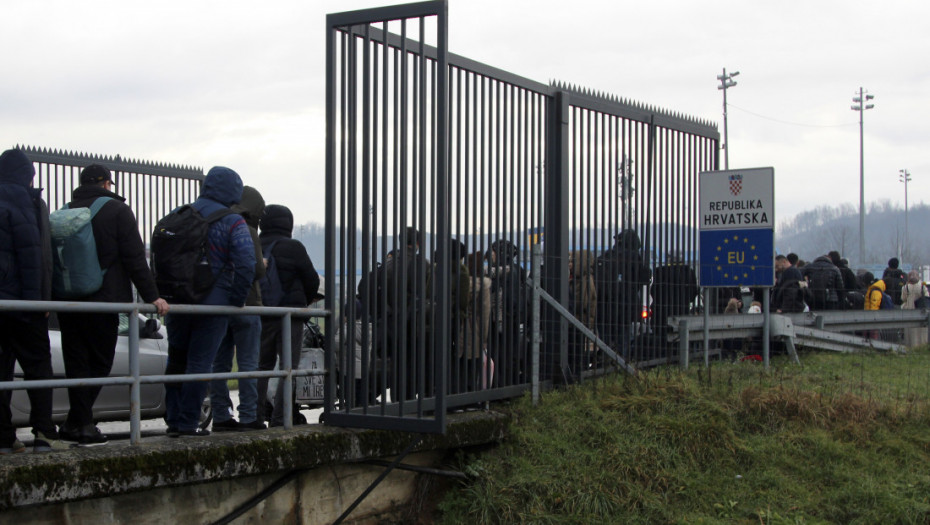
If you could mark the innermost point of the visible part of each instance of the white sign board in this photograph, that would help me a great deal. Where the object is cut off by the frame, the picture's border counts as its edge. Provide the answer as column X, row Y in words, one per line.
column 737, row 227
column 737, row 199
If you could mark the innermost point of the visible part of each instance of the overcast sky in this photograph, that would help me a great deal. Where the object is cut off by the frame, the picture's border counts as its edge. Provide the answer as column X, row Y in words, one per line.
column 241, row 84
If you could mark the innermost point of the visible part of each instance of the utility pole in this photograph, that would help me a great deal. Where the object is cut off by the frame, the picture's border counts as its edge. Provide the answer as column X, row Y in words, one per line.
column 861, row 106
column 905, row 177
column 726, row 81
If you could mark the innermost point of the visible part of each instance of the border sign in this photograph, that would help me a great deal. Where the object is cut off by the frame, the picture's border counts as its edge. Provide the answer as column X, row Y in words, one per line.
column 737, row 227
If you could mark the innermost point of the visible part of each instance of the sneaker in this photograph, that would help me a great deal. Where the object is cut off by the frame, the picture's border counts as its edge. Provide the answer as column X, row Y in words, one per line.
column 253, row 425
column 230, row 425
column 15, row 447
column 94, row 438
column 47, row 443
column 172, row 432
column 68, row 435
column 198, row 432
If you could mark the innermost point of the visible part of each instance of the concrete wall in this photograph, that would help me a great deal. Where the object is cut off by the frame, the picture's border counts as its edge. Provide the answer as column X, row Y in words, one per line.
column 200, row 480
column 319, row 495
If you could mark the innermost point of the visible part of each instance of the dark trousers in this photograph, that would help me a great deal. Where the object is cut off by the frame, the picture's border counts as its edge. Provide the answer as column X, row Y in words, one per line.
column 88, row 343
column 268, row 357
column 192, row 344
column 24, row 338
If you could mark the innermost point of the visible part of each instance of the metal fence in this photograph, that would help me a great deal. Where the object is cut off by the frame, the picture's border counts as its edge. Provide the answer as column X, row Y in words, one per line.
column 151, row 189
column 472, row 166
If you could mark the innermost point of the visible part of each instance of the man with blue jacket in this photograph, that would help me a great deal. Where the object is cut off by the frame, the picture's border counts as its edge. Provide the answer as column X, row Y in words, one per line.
column 193, row 340
column 25, row 273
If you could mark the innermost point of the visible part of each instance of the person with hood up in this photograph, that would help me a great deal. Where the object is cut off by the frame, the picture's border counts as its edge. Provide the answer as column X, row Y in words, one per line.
column 25, row 274
column 193, row 340
column 300, row 284
column 243, row 337
column 88, row 339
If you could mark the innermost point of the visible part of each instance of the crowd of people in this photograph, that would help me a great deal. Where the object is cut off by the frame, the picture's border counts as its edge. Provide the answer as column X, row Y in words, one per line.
column 828, row 283
column 242, row 238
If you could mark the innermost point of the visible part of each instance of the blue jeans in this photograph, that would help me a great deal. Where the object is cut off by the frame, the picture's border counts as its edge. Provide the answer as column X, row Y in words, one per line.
column 192, row 344
column 244, row 339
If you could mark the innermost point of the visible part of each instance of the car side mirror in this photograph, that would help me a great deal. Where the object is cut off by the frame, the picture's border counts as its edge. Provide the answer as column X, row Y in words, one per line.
column 149, row 329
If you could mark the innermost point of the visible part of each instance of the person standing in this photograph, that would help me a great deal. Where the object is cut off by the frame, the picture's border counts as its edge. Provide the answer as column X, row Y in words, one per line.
column 25, row 274
column 193, row 340
column 243, row 337
column 88, row 339
column 910, row 293
column 894, row 280
column 299, row 283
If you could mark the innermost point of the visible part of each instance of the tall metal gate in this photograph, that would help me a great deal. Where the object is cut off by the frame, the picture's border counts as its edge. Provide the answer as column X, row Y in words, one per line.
column 442, row 173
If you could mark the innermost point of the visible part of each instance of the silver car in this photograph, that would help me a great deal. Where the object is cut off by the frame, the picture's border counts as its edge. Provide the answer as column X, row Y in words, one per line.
column 113, row 401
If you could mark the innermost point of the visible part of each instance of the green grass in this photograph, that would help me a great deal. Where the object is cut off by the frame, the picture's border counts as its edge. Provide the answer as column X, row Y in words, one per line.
column 843, row 439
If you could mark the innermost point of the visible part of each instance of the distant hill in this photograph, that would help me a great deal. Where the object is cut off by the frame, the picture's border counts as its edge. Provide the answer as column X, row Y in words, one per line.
column 816, row 232
column 809, row 234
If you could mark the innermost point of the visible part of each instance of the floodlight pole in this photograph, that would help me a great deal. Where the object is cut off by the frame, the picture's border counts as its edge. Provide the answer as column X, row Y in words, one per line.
column 861, row 106
column 905, row 177
column 726, row 81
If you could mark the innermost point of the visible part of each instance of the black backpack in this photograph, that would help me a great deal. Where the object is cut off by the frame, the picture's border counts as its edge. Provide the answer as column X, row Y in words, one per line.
column 894, row 281
column 180, row 258
column 272, row 289
column 822, row 286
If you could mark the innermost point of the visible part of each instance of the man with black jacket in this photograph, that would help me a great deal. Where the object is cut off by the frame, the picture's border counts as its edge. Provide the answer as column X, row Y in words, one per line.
column 89, row 339
column 787, row 296
column 825, row 283
column 300, row 284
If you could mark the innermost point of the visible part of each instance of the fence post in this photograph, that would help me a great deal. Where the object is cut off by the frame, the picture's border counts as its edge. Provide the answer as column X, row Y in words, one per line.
column 534, row 376
column 135, row 395
column 766, row 327
column 556, row 223
column 684, row 342
column 288, row 398
column 707, row 307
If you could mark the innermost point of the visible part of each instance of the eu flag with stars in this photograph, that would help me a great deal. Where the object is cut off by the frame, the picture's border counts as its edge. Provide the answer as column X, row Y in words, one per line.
column 737, row 258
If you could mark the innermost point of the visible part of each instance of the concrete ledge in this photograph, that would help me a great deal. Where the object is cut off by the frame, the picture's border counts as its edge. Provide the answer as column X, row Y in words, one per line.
column 161, row 462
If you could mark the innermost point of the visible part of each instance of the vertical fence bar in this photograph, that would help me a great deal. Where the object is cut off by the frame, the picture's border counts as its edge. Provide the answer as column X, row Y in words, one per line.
column 135, row 396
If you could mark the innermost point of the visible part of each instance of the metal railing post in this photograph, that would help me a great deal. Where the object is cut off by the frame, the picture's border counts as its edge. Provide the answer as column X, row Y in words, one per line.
column 766, row 328
column 684, row 342
column 135, row 390
column 707, row 326
column 288, row 398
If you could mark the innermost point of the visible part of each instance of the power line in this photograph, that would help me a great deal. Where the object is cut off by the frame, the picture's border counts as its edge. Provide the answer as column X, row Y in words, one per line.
column 793, row 123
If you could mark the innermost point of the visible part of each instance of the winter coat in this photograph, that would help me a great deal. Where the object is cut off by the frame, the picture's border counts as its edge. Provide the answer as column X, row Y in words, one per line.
column 823, row 271
column 674, row 288
column 232, row 254
column 477, row 318
column 583, row 290
column 787, row 296
column 911, row 292
column 21, row 243
column 873, row 300
column 251, row 207
column 299, row 279
column 120, row 249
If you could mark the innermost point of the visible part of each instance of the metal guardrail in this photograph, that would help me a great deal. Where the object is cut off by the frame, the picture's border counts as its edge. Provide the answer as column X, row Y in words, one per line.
column 824, row 329
column 134, row 380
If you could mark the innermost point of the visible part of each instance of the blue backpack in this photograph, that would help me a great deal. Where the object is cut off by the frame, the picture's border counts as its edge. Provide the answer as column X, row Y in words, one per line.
column 272, row 290
column 76, row 268
column 887, row 302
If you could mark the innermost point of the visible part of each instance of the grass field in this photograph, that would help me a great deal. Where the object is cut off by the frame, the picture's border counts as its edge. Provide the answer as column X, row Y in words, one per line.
column 841, row 439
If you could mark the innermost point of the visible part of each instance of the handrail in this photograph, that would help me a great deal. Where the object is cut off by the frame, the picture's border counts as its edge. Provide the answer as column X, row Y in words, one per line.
column 135, row 379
